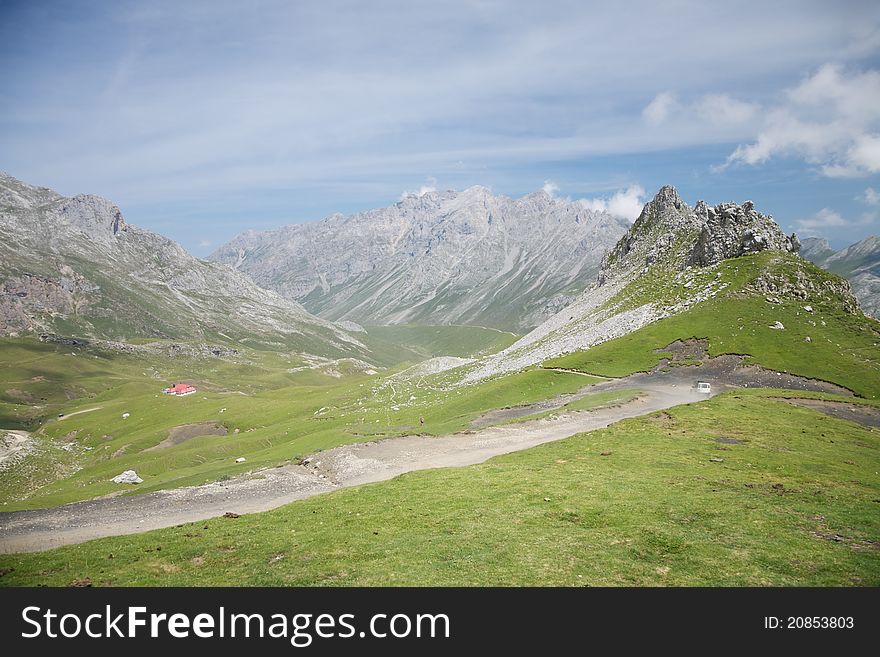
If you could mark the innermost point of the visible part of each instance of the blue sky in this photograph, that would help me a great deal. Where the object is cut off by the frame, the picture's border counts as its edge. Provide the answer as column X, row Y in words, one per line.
column 201, row 120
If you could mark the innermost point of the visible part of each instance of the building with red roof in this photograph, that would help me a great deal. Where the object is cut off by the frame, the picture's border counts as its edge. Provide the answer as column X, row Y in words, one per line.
column 180, row 389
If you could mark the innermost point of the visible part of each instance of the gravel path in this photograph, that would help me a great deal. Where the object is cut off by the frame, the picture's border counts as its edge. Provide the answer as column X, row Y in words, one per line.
column 85, row 410
column 351, row 465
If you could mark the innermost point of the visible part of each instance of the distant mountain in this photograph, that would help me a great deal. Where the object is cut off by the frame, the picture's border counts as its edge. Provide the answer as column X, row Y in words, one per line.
column 74, row 267
column 438, row 258
column 673, row 259
column 860, row 263
column 815, row 248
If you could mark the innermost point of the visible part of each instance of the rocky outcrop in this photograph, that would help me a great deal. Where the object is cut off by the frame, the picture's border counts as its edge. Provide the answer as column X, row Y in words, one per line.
column 93, row 216
column 665, row 223
column 24, row 298
column 815, row 249
column 668, row 231
column 467, row 257
column 797, row 283
column 730, row 230
column 127, row 477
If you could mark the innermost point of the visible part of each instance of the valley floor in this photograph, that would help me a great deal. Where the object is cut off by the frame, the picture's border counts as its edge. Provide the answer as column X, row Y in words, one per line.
column 351, row 465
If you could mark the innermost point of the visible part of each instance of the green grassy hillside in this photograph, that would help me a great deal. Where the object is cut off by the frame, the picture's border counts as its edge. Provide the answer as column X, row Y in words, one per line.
column 788, row 498
column 843, row 348
column 271, row 415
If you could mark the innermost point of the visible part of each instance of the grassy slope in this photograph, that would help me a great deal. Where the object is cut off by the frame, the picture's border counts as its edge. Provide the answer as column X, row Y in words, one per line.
column 657, row 510
column 846, row 350
column 654, row 511
column 280, row 416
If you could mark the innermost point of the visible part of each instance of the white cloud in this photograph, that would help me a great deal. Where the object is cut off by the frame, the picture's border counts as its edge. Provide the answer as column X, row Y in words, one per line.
column 328, row 108
column 550, row 188
column 626, row 203
column 830, row 120
column 428, row 188
column 824, row 218
column 710, row 111
column 722, row 109
column 204, row 244
column 659, row 109
column 870, row 196
column 865, row 152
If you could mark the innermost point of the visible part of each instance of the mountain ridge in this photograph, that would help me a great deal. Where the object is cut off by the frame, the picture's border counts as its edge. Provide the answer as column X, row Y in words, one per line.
column 73, row 266
column 444, row 257
column 859, row 263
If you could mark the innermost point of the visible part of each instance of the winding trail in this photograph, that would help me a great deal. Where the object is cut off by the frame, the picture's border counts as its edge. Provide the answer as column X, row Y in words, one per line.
column 85, row 410
column 352, row 465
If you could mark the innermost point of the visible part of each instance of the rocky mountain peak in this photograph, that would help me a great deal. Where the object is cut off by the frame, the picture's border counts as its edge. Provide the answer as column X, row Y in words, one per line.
column 93, row 215
column 467, row 257
column 859, row 263
column 815, row 244
column 670, row 232
column 73, row 264
column 667, row 197
column 730, row 230
column 870, row 246
column 653, row 237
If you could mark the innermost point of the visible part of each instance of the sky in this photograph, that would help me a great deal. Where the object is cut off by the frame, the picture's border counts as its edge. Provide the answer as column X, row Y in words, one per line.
column 205, row 119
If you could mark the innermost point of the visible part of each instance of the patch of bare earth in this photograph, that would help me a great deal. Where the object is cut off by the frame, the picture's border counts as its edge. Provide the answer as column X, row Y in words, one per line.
column 20, row 395
column 867, row 416
column 184, row 432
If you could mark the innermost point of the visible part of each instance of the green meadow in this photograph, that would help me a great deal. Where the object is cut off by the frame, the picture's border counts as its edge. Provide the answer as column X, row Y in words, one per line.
column 270, row 415
column 740, row 490
column 827, row 343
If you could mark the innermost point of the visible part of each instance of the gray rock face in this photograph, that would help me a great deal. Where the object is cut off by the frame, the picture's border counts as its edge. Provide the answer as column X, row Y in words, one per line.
column 73, row 266
column 440, row 258
column 730, row 230
column 815, row 249
column 669, row 231
column 859, row 263
column 665, row 223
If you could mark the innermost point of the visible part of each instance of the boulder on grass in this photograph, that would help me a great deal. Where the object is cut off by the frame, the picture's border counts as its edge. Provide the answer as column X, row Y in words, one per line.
column 127, row 477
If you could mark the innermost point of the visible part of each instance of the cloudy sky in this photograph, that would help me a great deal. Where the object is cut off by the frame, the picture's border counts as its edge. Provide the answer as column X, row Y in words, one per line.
column 201, row 120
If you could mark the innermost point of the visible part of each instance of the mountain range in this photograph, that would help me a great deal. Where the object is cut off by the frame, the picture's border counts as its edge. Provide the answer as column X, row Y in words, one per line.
column 74, row 267
column 859, row 263
column 569, row 277
column 467, row 257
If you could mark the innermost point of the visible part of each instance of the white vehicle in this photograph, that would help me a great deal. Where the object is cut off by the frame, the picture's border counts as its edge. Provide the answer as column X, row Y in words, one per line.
column 704, row 387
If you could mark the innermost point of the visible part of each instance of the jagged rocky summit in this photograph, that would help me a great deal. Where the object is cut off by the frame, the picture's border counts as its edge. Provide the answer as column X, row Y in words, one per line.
column 702, row 236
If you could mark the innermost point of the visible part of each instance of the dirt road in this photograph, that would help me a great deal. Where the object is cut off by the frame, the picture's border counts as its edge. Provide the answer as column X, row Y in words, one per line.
column 85, row 410
column 350, row 465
